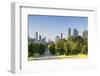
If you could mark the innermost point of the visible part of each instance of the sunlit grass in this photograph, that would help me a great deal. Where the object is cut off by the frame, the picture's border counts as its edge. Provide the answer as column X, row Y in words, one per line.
column 73, row 56
column 82, row 56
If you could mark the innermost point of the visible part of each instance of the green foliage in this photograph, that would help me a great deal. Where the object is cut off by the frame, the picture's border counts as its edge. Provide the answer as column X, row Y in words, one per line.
column 59, row 47
column 66, row 48
column 76, row 45
column 30, row 49
column 41, row 49
column 52, row 49
column 85, row 47
column 70, row 46
column 35, row 49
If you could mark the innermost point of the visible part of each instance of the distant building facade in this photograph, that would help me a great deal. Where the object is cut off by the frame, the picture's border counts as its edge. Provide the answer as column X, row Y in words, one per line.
column 40, row 38
column 69, row 32
column 61, row 35
column 57, row 38
column 37, row 39
column 85, row 34
column 36, row 36
column 75, row 33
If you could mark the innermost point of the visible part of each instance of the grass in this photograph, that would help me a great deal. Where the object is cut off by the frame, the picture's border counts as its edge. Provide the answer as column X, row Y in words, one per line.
column 73, row 56
column 82, row 56
column 79, row 56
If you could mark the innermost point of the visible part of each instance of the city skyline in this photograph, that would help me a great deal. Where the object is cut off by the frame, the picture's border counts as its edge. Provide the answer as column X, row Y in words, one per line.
column 52, row 26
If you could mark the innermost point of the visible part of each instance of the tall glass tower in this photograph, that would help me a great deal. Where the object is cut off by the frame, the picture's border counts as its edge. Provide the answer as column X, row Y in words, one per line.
column 61, row 35
column 75, row 33
column 69, row 32
column 36, row 36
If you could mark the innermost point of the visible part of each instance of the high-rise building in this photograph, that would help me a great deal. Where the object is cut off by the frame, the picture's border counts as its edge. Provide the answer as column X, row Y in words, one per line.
column 61, row 35
column 75, row 33
column 85, row 34
column 57, row 38
column 69, row 32
column 36, row 36
column 40, row 38
column 44, row 39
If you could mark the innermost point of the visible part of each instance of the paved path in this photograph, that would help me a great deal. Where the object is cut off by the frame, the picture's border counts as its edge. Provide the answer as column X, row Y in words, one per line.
column 47, row 52
column 51, row 57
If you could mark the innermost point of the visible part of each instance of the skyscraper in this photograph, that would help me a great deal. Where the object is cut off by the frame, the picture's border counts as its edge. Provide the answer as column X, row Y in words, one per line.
column 36, row 36
column 69, row 32
column 45, row 39
column 61, row 35
column 85, row 34
column 40, row 38
column 57, row 38
column 75, row 32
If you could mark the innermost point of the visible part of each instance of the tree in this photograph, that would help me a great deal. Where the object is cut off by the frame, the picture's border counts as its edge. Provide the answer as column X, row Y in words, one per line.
column 52, row 49
column 84, row 47
column 59, row 47
column 30, row 49
column 41, row 49
column 70, row 45
column 67, row 47
column 36, row 48
column 74, row 45
column 77, row 45
column 75, row 48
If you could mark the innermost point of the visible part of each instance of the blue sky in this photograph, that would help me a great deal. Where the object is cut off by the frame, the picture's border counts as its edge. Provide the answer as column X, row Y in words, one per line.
column 52, row 26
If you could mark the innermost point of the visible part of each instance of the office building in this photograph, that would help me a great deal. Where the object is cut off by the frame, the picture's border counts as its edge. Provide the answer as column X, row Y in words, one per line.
column 75, row 33
column 61, row 35
column 85, row 34
column 69, row 32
